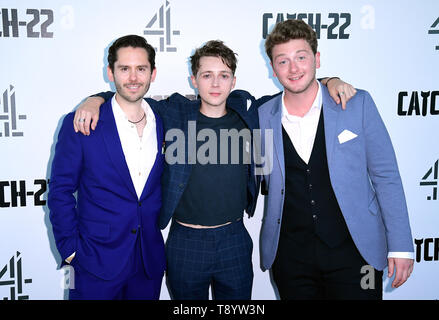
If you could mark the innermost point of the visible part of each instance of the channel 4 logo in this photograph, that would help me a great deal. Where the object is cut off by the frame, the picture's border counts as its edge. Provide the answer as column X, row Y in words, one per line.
column 8, row 114
column 435, row 29
column 11, row 275
column 430, row 179
column 160, row 25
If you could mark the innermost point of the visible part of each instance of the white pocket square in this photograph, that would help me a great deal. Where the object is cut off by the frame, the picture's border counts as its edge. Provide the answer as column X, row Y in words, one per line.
column 346, row 135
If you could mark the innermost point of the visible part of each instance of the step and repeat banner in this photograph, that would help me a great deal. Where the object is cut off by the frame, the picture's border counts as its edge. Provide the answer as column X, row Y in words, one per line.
column 53, row 55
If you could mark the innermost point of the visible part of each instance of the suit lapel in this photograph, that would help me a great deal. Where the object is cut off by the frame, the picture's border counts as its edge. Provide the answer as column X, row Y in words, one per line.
column 113, row 145
column 331, row 113
column 191, row 113
column 158, row 163
column 276, row 125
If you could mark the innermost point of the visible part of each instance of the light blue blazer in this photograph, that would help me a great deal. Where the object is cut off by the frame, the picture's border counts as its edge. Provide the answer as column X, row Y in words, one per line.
column 364, row 176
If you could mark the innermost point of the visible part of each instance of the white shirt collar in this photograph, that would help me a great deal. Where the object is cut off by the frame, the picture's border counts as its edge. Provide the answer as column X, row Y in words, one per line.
column 316, row 106
column 302, row 130
column 140, row 153
column 121, row 117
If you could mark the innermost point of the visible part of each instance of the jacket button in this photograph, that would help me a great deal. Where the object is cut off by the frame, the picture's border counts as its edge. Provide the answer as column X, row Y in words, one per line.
column 134, row 231
column 140, row 204
column 278, row 221
column 282, row 191
column 314, row 217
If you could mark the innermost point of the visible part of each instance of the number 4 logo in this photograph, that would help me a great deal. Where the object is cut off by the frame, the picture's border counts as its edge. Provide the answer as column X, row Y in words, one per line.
column 432, row 176
column 162, row 23
column 433, row 31
column 14, row 278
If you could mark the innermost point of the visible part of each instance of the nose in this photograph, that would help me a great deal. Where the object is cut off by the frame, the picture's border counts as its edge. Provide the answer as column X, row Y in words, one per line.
column 133, row 75
column 215, row 81
column 293, row 67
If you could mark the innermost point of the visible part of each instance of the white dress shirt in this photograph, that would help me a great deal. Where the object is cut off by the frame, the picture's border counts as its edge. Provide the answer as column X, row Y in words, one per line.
column 140, row 152
column 302, row 132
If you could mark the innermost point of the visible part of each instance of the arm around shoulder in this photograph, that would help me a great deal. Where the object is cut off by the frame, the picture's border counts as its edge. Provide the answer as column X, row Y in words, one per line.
column 87, row 114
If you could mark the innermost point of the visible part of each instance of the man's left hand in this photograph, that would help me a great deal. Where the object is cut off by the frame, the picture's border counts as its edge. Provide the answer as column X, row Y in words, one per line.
column 340, row 91
column 404, row 267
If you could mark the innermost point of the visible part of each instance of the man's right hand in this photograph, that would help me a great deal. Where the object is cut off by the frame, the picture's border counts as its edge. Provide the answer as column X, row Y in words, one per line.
column 87, row 115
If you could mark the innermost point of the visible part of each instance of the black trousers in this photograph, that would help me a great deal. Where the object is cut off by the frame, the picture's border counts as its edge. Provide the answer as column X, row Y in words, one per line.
column 311, row 270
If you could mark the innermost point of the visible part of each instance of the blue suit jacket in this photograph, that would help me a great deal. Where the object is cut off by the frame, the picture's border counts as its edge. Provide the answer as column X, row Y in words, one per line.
column 364, row 176
column 99, row 224
column 176, row 112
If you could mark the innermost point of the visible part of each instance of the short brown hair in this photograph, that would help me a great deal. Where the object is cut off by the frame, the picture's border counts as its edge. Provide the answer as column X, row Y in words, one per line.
column 133, row 41
column 214, row 48
column 288, row 30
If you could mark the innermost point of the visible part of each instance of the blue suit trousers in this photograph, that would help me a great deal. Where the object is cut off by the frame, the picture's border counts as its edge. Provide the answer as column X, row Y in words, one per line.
column 131, row 284
column 218, row 257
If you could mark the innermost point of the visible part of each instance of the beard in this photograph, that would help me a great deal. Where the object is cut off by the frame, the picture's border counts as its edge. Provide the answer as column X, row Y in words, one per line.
column 303, row 88
column 131, row 97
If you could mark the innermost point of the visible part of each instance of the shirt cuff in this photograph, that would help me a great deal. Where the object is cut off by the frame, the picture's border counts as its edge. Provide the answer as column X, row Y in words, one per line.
column 405, row 255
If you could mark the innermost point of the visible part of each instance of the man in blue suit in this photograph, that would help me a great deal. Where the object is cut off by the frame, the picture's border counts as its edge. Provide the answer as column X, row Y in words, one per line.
column 109, row 232
column 335, row 202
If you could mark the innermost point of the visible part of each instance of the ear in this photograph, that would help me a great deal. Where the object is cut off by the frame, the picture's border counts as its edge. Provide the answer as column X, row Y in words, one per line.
column 274, row 72
column 317, row 60
column 233, row 82
column 153, row 74
column 110, row 74
column 194, row 82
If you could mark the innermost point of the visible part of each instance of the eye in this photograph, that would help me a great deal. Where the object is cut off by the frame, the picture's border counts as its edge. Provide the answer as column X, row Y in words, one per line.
column 225, row 76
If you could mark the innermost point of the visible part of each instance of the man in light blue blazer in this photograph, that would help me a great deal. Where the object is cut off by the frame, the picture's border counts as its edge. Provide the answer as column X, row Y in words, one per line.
column 335, row 207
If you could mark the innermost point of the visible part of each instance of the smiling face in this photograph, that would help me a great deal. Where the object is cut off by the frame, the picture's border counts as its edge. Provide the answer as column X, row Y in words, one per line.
column 132, row 74
column 295, row 64
column 214, row 81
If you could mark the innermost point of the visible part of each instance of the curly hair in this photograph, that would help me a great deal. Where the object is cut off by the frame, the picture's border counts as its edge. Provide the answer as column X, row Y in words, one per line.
column 289, row 30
